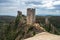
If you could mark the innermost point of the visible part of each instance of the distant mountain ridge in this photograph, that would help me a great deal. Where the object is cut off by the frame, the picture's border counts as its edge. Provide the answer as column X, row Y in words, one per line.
column 6, row 18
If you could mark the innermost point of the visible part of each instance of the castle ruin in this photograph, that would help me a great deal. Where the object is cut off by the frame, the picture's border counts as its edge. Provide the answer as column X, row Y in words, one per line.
column 30, row 15
column 46, row 21
column 19, row 13
column 19, row 16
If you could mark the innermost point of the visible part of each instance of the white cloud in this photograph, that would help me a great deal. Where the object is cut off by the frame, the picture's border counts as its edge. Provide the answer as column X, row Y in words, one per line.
column 8, row 8
column 56, row 3
column 21, row 5
column 30, row 0
column 11, row 6
column 49, row 4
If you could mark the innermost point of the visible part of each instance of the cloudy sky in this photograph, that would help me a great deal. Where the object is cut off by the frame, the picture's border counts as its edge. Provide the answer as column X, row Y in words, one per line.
column 43, row 7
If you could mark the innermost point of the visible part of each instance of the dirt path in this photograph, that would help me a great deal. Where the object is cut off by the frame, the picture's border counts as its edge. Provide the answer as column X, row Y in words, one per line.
column 44, row 36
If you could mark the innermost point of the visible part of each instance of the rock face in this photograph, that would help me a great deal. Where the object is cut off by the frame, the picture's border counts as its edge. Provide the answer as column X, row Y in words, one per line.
column 44, row 36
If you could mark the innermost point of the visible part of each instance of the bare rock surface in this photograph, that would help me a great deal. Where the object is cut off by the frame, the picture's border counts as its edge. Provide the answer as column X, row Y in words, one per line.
column 44, row 36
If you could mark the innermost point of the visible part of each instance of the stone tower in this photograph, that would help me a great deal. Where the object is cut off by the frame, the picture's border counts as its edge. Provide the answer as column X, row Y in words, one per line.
column 30, row 16
column 46, row 20
column 19, row 17
column 19, row 13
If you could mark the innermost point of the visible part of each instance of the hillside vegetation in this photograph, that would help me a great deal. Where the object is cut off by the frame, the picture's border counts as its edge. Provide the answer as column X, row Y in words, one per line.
column 14, row 28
